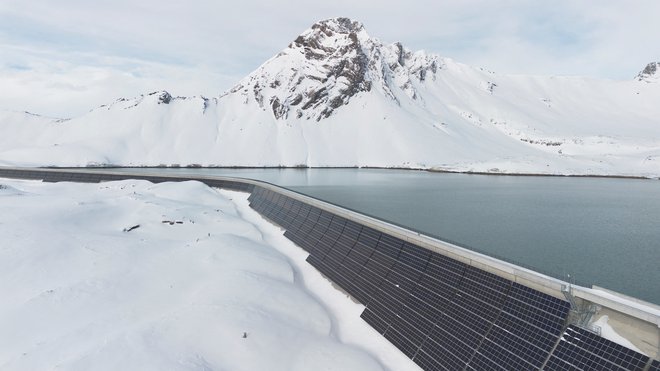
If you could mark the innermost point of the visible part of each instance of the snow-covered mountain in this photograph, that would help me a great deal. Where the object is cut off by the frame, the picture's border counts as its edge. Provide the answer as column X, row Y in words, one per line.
column 338, row 97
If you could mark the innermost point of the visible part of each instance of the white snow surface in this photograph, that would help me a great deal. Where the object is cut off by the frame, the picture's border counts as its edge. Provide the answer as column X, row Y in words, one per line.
column 338, row 97
column 81, row 292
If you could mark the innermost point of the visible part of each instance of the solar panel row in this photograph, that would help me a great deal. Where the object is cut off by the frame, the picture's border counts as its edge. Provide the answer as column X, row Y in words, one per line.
column 581, row 349
column 425, row 303
column 655, row 365
column 440, row 312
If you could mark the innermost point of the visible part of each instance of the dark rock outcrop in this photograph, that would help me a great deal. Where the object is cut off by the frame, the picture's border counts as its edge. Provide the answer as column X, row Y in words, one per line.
column 652, row 70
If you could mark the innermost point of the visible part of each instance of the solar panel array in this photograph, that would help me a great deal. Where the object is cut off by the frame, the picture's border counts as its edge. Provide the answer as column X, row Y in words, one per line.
column 440, row 312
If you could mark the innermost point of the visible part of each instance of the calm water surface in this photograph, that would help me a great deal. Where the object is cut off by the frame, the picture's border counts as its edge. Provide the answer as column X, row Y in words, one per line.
column 600, row 231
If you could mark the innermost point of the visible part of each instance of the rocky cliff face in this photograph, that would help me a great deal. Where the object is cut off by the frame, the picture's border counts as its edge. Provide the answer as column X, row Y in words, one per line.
column 327, row 65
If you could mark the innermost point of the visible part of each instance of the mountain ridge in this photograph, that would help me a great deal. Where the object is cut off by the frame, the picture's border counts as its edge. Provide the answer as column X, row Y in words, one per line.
column 335, row 96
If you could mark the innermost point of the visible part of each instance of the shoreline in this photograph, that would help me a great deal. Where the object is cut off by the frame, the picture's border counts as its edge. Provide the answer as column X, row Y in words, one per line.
column 467, row 172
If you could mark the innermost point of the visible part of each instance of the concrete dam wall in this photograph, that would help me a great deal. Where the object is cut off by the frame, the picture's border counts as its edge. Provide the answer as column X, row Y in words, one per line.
column 444, row 307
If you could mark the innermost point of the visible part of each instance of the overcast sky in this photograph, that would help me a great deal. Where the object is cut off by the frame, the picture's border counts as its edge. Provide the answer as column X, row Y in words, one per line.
column 62, row 58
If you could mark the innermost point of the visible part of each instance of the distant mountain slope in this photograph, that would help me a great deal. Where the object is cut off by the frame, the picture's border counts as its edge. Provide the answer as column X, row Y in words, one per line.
column 338, row 97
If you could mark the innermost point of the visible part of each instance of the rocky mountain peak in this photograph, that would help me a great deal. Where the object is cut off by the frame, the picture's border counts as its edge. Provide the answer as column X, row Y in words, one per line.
column 335, row 36
column 328, row 65
column 338, row 25
column 163, row 96
column 650, row 72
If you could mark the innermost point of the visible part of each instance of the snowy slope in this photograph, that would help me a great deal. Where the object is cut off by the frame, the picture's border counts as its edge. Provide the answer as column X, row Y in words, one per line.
column 94, row 277
column 338, row 97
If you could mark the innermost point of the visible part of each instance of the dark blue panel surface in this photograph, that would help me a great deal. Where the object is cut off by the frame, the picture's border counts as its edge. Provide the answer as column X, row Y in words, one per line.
column 447, row 349
column 505, row 359
column 428, row 362
column 374, row 321
column 533, row 315
column 583, row 349
column 537, row 299
column 439, row 357
column 655, row 365
column 520, row 348
column 480, row 363
column 404, row 344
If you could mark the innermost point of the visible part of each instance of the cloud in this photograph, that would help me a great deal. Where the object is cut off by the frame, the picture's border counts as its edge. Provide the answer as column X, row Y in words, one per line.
column 66, row 85
column 93, row 52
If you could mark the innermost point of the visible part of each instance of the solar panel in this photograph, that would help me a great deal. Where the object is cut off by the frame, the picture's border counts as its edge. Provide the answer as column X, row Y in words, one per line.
column 414, row 256
column 655, row 365
column 352, row 229
column 362, row 249
column 374, row 321
column 526, row 331
column 384, row 260
column 520, row 348
column 549, row 304
column 447, row 263
column 353, row 266
column 374, row 267
column 345, row 279
column 359, row 292
column 475, row 306
column 447, row 349
column 407, row 271
column 419, row 302
column 502, row 357
column 314, row 214
column 459, row 329
column 390, row 249
column 484, row 293
column 367, row 288
column 400, row 279
column 338, row 249
column 429, row 363
column 480, row 363
column 418, row 322
column 386, row 300
column 308, row 244
column 568, row 357
column 434, row 302
column 442, row 288
column 367, row 240
column 305, row 209
column 487, row 279
column 372, row 272
column 583, row 349
column 467, row 318
column 394, row 290
column 408, row 347
column 533, row 315
column 384, row 312
column 554, row 364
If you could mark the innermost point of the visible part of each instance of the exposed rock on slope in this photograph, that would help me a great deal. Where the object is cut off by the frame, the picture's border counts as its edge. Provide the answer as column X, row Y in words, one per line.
column 650, row 73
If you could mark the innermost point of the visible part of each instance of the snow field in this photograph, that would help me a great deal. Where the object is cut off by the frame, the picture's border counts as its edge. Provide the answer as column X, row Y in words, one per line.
column 204, row 283
column 420, row 111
